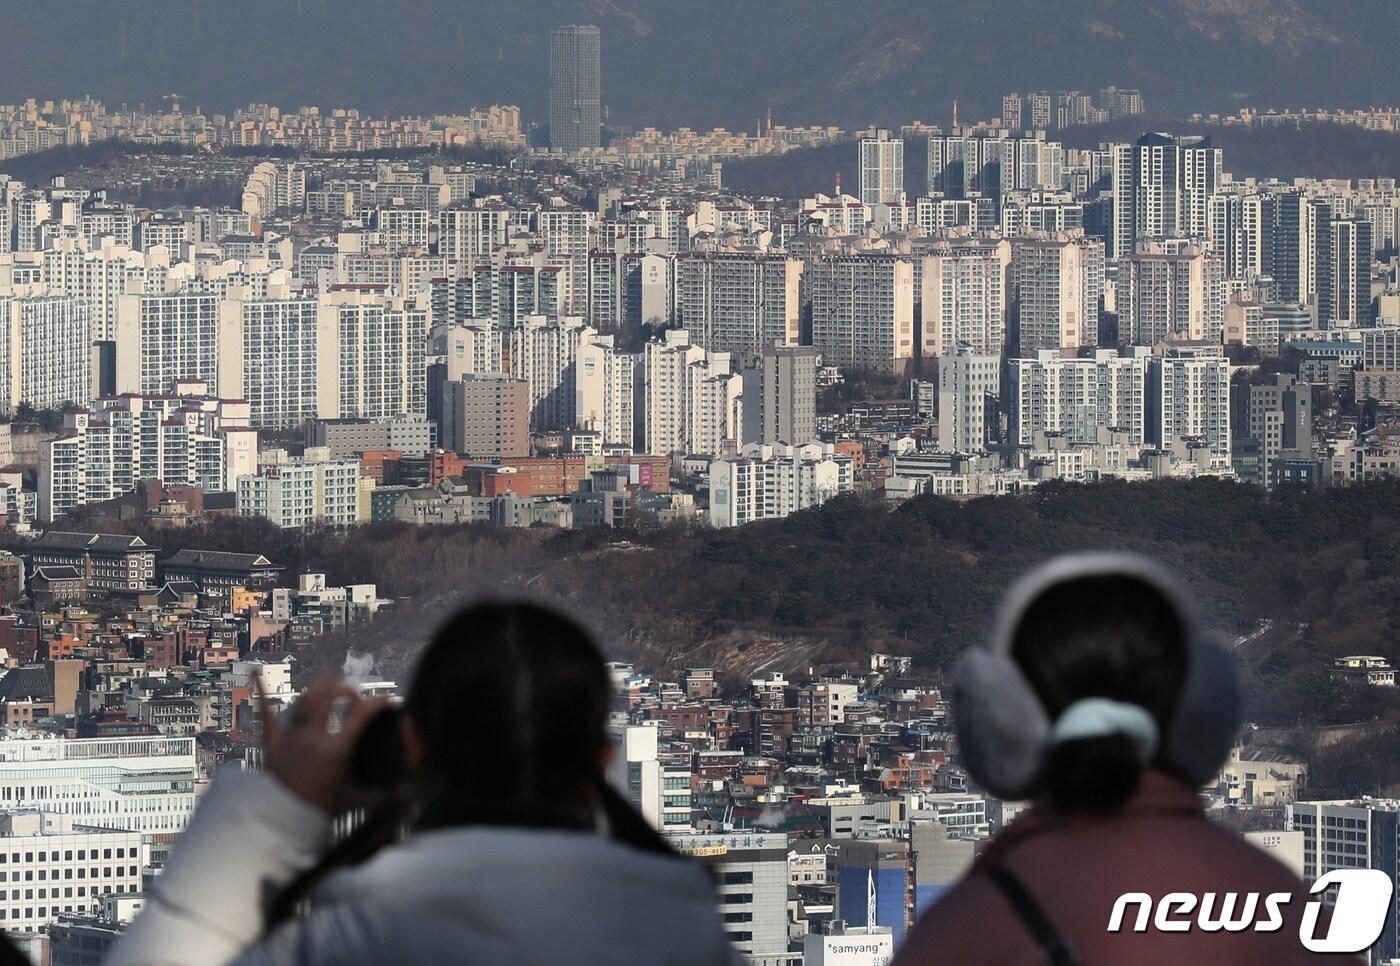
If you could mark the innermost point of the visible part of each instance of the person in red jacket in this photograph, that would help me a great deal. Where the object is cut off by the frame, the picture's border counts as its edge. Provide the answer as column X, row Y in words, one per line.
column 1098, row 700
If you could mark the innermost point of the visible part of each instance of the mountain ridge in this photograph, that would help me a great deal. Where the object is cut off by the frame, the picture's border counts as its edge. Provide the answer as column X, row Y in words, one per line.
column 723, row 62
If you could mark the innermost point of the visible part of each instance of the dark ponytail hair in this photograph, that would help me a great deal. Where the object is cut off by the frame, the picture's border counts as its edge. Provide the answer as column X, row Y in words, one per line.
column 540, row 675
column 1116, row 637
column 511, row 702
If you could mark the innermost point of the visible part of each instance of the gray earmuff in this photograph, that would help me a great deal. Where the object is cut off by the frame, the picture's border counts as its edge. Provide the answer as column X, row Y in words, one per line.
column 1004, row 731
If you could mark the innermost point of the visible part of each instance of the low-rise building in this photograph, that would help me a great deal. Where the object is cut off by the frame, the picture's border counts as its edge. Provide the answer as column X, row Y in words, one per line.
column 296, row 492
column 1364, row 670
column 775, row 481
column 56, row 866
column 107, row 562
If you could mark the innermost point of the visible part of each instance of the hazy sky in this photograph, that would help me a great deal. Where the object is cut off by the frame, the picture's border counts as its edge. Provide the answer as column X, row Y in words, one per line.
column 717, row 62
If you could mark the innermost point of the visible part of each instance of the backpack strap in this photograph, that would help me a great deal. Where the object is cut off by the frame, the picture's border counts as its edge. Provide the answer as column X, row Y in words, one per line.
column 1055, row 950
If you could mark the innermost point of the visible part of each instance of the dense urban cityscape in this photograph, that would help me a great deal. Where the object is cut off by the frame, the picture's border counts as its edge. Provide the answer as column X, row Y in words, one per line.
column 242, row 351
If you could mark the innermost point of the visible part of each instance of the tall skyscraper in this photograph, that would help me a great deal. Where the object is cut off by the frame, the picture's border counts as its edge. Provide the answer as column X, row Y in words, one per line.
column 881, row 169
column 575, row 98
column 1161, row 189
column 1343, row 254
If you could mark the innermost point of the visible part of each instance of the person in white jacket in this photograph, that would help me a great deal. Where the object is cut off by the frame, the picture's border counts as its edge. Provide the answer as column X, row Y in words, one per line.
column 517, row 850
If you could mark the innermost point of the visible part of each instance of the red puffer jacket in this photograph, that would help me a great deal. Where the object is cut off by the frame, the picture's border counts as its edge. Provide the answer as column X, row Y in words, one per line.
column 1075, row 867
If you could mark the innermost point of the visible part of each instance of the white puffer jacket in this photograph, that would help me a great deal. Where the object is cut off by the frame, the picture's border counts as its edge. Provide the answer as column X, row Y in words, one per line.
column 467, row 895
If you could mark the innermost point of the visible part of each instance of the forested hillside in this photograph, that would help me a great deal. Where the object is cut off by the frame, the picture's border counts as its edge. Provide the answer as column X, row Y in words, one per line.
column 922, row 578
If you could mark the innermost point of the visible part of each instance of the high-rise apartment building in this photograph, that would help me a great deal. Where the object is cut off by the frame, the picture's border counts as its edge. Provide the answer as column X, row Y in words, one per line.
column 101, row 274
column 467, row 230
column 45, row 351
column 969, row 384
column 1188, row 400
column 161, row 230
column 281, row 371
column 1294, row 239
column 1076, row 396
column 403, row 228
column 863, row 311
column 605, row 384
column 31, row 210
column 273, row 187
column 963, row 299
column 1344, row 257
column 378, row 346
column 163, row 339
column 1259, row 216
column 183, row 438
column 519, row 289
column 1161, row 189
column 1056, row 287
column 575, row 88
column 692, row 398
column 739, row 302
column 1167, row 296
column 545, row 355
column 1042, row 107
column 1242, row 228
column 769, row 482
column 881, row 169
column 566, row 233
column 992, row 165
column 1013, row 112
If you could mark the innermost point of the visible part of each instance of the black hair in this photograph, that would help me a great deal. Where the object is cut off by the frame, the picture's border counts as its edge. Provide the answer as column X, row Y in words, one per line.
column 510, row 700
column 1118, row 637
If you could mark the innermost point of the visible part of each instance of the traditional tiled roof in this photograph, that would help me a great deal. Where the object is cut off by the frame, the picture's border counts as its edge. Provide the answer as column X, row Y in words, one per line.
column 215, row 560
column 109, row 542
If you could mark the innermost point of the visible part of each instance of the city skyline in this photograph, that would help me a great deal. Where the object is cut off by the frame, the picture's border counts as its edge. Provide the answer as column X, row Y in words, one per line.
column 916, row 431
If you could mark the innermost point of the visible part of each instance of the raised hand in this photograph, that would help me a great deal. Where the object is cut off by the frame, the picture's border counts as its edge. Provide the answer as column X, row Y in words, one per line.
column 303, row 753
